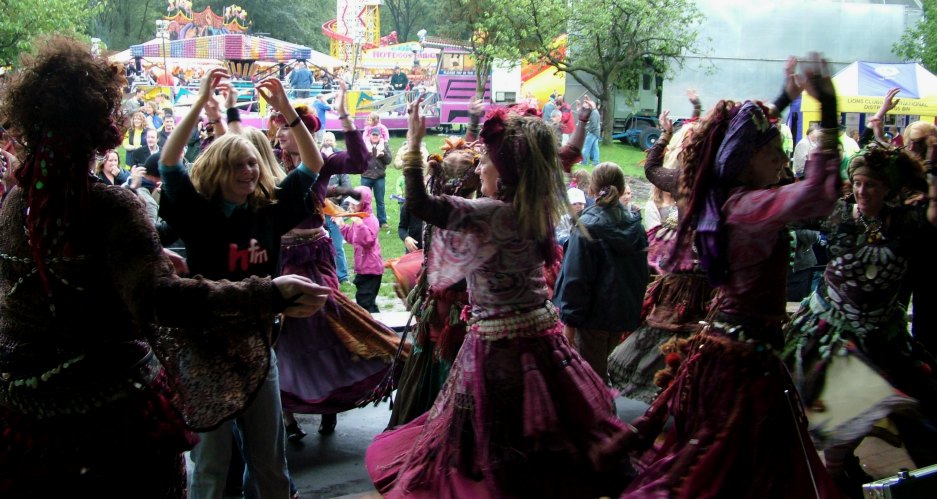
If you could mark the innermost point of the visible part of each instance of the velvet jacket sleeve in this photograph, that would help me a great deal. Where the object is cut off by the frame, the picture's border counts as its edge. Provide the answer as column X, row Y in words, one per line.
column 431, row 209
column 354, row 160
column 757, row 216
column 664, row 179
column 148, row 285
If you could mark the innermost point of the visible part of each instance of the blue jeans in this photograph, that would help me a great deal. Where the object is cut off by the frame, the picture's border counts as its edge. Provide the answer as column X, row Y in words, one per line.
column 263, row 445
column 341, row 264
column 590, row 150
column 377, row 187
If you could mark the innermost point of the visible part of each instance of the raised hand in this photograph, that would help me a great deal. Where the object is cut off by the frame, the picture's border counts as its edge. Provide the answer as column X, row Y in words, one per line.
column 271, row 90
column 890, row 101
column 210, row 82
column 818, row 83
column 793, row 83
column 340, row 98
column 692, row 95
column 230, row 93
column 477, row 107
column 416, row 124
column 666, row 124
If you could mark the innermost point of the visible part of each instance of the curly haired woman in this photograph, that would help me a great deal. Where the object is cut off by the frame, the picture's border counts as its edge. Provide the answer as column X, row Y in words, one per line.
column 101, row 404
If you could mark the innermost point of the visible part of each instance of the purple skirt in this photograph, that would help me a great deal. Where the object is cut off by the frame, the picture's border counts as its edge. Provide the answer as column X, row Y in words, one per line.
column 318, row 374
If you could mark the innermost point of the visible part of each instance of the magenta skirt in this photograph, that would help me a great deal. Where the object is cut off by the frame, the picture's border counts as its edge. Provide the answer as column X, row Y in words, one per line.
column 521, row 415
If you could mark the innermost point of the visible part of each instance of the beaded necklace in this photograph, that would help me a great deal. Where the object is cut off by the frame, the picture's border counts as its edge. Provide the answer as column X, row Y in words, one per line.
column 872, row 228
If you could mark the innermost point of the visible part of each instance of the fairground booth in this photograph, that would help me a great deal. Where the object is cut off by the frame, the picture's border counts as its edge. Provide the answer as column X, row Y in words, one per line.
column 861, row 88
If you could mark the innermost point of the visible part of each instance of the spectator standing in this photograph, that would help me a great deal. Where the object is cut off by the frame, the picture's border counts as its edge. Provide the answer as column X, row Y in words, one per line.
column 337, row 182
column 567, row 122
column 369, row 264
column 135, row 136
column 301, row 80
column 548, row 108
column 803, row 149
column 374, row 176
column 590, row 150
column 321, row 107
column 151, row 141
column 374, row 122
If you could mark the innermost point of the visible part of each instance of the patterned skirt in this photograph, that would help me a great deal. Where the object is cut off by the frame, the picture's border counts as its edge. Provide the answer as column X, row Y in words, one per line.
column 521, row 415
column 739, row 429
column 334, row 360
column 673, row 307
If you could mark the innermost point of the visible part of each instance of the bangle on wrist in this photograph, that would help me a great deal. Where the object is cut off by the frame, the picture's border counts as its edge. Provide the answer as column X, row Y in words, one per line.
column 294, row 122
column 343, row 116
column 213, row 122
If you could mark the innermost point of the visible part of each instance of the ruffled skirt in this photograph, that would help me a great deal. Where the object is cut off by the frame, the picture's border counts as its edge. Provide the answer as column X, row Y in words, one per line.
column 334, row 360
column 520, row 416
column 739, row 429
column 673, row 307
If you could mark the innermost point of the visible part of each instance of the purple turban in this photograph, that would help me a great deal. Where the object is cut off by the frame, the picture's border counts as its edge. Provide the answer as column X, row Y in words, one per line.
column 749, row 130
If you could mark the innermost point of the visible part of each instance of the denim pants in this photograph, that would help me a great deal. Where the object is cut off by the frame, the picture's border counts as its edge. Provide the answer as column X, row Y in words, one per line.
column 341, row 264
column 590, row 150
column 263, row 440
column 377, row 187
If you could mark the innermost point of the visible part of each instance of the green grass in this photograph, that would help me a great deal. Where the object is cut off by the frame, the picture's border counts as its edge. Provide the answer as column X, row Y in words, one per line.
column 626, row 157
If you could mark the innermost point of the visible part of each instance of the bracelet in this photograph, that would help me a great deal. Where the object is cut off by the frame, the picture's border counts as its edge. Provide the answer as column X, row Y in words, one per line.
column 342, row 116
column 294, row 122
column 213, row 122
column 234, row 114
column 931, row 170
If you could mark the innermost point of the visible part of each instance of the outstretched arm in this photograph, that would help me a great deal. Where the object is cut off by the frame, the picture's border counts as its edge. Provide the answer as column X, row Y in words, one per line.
column 272, row 91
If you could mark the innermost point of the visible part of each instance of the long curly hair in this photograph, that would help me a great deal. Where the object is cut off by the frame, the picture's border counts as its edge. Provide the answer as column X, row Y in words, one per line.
column 453, row 173
column 63, row 104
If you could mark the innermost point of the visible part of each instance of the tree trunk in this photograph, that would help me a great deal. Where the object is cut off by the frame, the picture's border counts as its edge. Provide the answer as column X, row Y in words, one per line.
column 482, row 73
column 608, row 113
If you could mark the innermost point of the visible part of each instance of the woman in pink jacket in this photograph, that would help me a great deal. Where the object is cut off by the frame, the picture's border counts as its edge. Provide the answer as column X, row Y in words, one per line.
column 369, row 264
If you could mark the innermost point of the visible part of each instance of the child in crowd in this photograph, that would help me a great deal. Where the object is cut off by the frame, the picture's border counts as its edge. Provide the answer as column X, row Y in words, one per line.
column 362, row 235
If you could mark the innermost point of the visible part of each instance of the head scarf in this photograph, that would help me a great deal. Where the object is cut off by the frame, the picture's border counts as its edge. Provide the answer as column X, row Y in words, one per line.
column 748, row 130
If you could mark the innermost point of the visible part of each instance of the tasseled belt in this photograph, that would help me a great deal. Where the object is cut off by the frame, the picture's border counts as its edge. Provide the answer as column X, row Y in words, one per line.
column 513, row 324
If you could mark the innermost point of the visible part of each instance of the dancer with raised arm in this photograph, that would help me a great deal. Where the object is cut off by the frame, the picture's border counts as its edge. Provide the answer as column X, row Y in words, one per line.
column 521, row 412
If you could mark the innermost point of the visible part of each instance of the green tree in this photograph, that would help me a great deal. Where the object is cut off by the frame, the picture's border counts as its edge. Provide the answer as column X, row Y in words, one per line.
column 920, row 42
column 405, row 17
column 22, row 20
column 611, row 43
column 483, row 25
